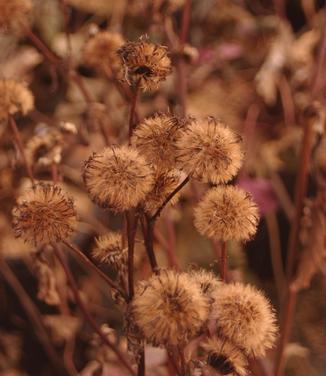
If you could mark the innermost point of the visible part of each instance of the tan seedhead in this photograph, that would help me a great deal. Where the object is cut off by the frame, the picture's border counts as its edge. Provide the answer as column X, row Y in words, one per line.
column 156, row 136
column 224, row 357
column 209, row 151
column 245, row 317
column 226, row 213
column 164, row 183
column 13, row 13
column 109, row 249
column 100, row 52
column 145, row 63
column 117, row 178
column 14, row 98
column 206, row 280
column 43, row 215
column 169, row 308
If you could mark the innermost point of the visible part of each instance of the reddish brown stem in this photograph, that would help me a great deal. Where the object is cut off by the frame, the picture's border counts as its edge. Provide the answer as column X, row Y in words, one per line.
column 89, row 319
column 223, row 262
column 185, row 22
column 300, row 194
column 148, row 232
column 131, row 221
column 141, row 363
column 89, row 263
column 48, row 54
column 32, row 313
column 133, row 110
column 169, row 197
column 20, row 146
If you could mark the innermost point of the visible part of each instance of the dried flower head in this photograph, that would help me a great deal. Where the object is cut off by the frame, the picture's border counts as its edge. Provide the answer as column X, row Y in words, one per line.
column 43, row 215
column 226, row 213
column 245, row 317
column 146, row 63
column 109, row 249
column 117, row 178
column 44, row 149
column 13, row 13
column 207, row 281
column 210, row 151
column 156, row 138
column 100, row 51
column 224, row 357
column 14, row 98
column 164, row 183
column 169, row 308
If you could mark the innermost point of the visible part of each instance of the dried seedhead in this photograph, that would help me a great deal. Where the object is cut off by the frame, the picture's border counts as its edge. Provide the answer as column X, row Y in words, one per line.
column 169, row 308
column 44, row 215
column 117, row 178
column 14, row 98
column 145, row 63
column 164, row 183
column 109, row 250
column 227, row 213
column 245, row 317
column 224, row 357
column 206, row 280
column 209, row 150
column 100, row 52
column 13, row 13
column 156, row 136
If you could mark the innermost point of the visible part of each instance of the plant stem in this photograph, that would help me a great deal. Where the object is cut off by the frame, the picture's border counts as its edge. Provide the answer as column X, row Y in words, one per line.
column 169, row 197
column 86, row 313
column 141, row 363
column 20, row 146
column 148, row 232
column 223, row 261
column 131, row 221
column 89, row 263
column 32, row 313
column 300, row 194
column 133, row 110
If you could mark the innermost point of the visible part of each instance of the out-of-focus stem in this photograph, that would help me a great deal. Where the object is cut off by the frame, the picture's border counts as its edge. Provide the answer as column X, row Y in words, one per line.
column 86, row 314
column 148, row 231
column 131, row 221
column 133, row 110
column 89, row 263
column 223, row 262
column 300, row 194
column 20, row 146
column 31, row 311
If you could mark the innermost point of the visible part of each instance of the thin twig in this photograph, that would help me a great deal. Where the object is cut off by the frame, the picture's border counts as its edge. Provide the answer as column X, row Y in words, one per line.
column 169, row 197
column 90, row 320
column 32, row 313
column 89, row 263
column 133, row 110
column 131, row 221
column 148, row 232
column 20, row 146
column 223, row 261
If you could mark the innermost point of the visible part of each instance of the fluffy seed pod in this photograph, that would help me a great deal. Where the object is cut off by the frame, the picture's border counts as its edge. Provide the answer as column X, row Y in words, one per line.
column 146, row 63
column 100, row 52
column 13, row 13
column 245, row 317
column 207, row 281
column 43, row 215
column 164, row 183
column 169, row 308
column 225, row 357
column 44, row 149
column 210, row 151
column 156, row 138
column 117, row 178
column 226, row 213
column 109, row 249
column 14, row 98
